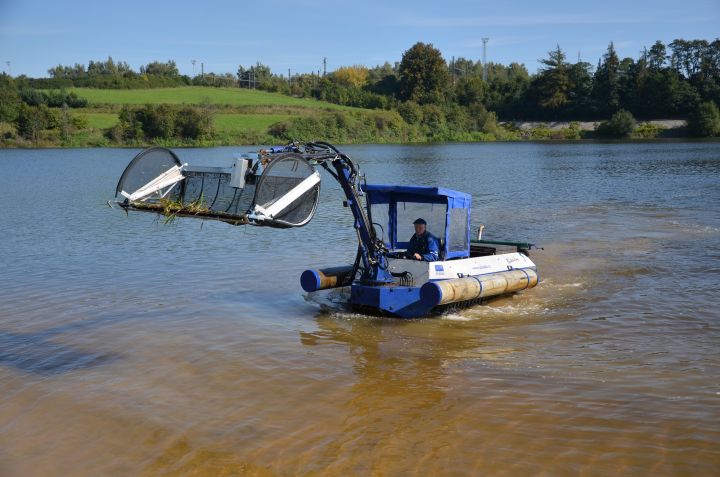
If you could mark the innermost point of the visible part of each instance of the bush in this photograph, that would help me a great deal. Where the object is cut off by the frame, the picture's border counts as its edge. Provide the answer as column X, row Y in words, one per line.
column 482, row 120
column 346, row 95
column 275, row 85
column 705, row 120
column 388, row 122
column 410, row 112
column 33, row 97
column 573, row 131
column 7, row 131
column 54, row 99
column 433, row 117
column 162, row 122
column 128, row 128
column 648, row 130
column 360, row 126
column 32, row 120
column 158, row 121
column 194, row 123
column 542, row 131
column 457, row 118
column 79, row 122
column 9, row 104
column 280, row 130
column 621, row 124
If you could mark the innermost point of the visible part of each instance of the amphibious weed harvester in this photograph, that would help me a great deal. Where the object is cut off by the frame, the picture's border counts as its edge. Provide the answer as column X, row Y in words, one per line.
column 280, row 187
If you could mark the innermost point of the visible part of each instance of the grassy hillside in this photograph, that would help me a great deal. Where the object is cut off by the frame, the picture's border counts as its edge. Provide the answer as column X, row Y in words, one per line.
column 198, row 95
column 241, row 114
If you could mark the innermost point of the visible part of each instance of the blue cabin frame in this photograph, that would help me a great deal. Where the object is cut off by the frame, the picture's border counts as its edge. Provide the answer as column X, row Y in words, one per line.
column 446, row 211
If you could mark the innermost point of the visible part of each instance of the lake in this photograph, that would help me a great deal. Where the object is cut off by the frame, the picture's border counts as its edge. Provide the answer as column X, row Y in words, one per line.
column 129, row 346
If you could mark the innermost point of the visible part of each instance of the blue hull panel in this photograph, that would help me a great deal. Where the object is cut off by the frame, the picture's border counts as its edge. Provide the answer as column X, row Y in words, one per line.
column 400, row 301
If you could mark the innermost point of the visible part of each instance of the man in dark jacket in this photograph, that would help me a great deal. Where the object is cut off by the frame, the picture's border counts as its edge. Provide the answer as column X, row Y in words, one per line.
column 423, row 245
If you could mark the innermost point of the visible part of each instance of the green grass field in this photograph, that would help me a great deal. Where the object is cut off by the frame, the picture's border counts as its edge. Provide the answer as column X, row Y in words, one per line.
column 198, row 95
column 240, row 116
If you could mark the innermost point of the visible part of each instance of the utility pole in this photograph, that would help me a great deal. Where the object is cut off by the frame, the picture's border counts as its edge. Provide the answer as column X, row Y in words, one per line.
column 202, row 70
column 289, row 78
column 484, row 41
column 9, row 69
column 324, row 66
column 193, row 62
column 452, row 67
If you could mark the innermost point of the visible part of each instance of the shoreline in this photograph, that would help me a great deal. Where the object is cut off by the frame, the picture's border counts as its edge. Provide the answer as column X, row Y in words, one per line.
column 674, row 139
column 657, row 130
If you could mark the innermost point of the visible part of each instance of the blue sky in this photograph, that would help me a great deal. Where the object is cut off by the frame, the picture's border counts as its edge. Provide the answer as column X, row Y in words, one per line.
column 36, row 35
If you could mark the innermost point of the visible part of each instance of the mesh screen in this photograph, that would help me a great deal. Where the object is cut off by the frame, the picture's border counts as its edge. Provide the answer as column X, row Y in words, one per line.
column 209, row 194
column 212, row 192
column 280, row 177
column 206, row 194
column 145, row 167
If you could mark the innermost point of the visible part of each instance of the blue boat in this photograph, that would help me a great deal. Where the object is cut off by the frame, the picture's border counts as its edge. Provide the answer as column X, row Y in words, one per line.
column 467, row 271
column 279, row 187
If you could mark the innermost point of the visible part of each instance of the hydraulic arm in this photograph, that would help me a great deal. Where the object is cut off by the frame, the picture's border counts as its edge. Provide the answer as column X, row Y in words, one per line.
column 371, row 250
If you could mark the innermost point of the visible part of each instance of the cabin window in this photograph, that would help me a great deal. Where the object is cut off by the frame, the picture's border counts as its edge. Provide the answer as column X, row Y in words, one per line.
column 458, row 232
column 381, row 220
column 407, row 212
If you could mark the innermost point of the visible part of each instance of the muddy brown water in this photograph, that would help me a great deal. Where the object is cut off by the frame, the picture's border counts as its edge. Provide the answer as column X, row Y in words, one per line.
column 131, row 347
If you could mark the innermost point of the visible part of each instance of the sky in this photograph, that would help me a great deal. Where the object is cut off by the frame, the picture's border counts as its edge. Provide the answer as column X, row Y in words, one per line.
column 37, row 35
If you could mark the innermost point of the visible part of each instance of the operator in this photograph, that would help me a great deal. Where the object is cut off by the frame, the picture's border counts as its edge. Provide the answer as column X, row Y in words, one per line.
column 423, row 245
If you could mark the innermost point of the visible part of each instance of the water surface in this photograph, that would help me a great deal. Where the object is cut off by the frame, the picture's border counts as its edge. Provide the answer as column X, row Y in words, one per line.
column 133, row 347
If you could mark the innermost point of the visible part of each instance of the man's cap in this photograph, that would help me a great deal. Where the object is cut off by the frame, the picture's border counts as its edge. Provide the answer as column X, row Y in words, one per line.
column 420, row 221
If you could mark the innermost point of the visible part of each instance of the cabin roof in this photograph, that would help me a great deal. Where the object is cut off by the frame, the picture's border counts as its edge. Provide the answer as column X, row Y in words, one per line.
column 416, row 190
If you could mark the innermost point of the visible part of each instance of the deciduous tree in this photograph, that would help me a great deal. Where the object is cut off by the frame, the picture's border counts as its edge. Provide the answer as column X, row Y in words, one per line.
column 423, row 74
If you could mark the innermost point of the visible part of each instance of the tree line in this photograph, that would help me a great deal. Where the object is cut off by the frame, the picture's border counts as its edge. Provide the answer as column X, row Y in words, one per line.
column 434, row 98
column 679, row 80
column 664, row 81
